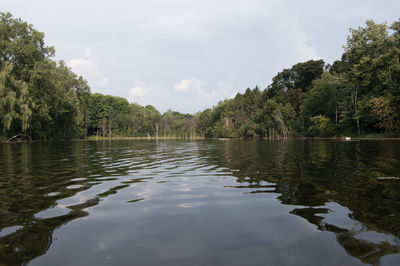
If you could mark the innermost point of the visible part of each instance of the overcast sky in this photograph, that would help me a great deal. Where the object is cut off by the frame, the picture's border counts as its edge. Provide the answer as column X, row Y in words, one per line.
column 186, row 55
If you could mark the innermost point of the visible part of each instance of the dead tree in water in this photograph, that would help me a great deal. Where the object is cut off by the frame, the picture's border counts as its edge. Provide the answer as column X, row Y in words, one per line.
column 20, row 137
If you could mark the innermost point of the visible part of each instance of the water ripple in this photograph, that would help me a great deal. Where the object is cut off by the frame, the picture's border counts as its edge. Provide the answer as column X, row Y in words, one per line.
column 208, row 196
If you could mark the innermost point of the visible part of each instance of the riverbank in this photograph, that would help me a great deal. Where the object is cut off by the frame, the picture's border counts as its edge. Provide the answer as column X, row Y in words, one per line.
column 99, row 138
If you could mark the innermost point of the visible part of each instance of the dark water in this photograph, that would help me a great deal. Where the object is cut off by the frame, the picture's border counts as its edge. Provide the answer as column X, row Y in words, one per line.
column 200, row 203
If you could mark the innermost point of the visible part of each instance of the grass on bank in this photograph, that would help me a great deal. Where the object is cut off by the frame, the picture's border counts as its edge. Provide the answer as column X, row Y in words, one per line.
column 145, row 138
column 101, row 138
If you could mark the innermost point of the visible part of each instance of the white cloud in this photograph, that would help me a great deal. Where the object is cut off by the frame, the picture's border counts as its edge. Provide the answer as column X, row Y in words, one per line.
column 201, row 91
column 297, row 42
column 137, row 91
column 12, row 2
column 186, row 96
column 145, row 94
column 86, row 67
column 190, row 86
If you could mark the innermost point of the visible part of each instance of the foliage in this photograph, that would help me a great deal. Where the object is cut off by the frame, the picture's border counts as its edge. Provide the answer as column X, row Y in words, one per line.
column 321, row 126
column 359, row 94
column 384, row 112
column 322, row 99
column 39, row 96
column 15, row 103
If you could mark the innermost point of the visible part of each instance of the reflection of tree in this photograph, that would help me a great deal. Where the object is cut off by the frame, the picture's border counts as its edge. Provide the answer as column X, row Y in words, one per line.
column 367, row 251
column 38, row 175
column 34, row 238
column 313, row 173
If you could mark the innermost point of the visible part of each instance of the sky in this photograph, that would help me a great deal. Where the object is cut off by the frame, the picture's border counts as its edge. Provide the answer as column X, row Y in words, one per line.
column 187, row 55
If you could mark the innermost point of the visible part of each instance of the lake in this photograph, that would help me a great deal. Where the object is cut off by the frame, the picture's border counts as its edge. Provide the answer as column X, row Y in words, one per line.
column 209, row 202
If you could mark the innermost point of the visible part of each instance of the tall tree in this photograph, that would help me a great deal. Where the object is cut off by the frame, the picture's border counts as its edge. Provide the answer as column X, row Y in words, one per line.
column 15, row 102
column 21, row 45
column 154, row 117
column 372, row 60
column 322, row 99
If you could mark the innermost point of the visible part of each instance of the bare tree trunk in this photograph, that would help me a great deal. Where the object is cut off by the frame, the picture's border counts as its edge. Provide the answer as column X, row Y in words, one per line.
column 21, row 136
column 109, row 129
column 355, row 109
column 85, row 126
column 103, row 128
column 336, row 114
column 391, row 124
column 157, row 126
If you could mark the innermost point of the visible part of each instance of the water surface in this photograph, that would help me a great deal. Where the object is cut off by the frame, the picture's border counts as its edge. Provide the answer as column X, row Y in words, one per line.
column 211, row 202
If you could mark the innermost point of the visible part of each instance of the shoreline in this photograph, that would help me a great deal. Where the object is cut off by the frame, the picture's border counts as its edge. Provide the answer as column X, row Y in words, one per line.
column 203, row 138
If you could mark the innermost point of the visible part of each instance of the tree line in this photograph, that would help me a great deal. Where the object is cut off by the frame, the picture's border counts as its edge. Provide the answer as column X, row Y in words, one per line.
column 356, row 95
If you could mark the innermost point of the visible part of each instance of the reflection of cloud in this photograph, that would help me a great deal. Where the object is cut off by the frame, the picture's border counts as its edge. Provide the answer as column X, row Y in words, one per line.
column 100, row 246
column 9, row 230
column 87, row 68
column 190, row 204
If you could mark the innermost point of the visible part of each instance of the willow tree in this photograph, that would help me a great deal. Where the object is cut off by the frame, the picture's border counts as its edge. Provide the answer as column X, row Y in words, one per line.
column 35, row 91
column 15, row 103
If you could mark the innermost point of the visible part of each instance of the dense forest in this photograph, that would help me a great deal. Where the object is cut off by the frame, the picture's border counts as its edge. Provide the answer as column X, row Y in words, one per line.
column 357, row 95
